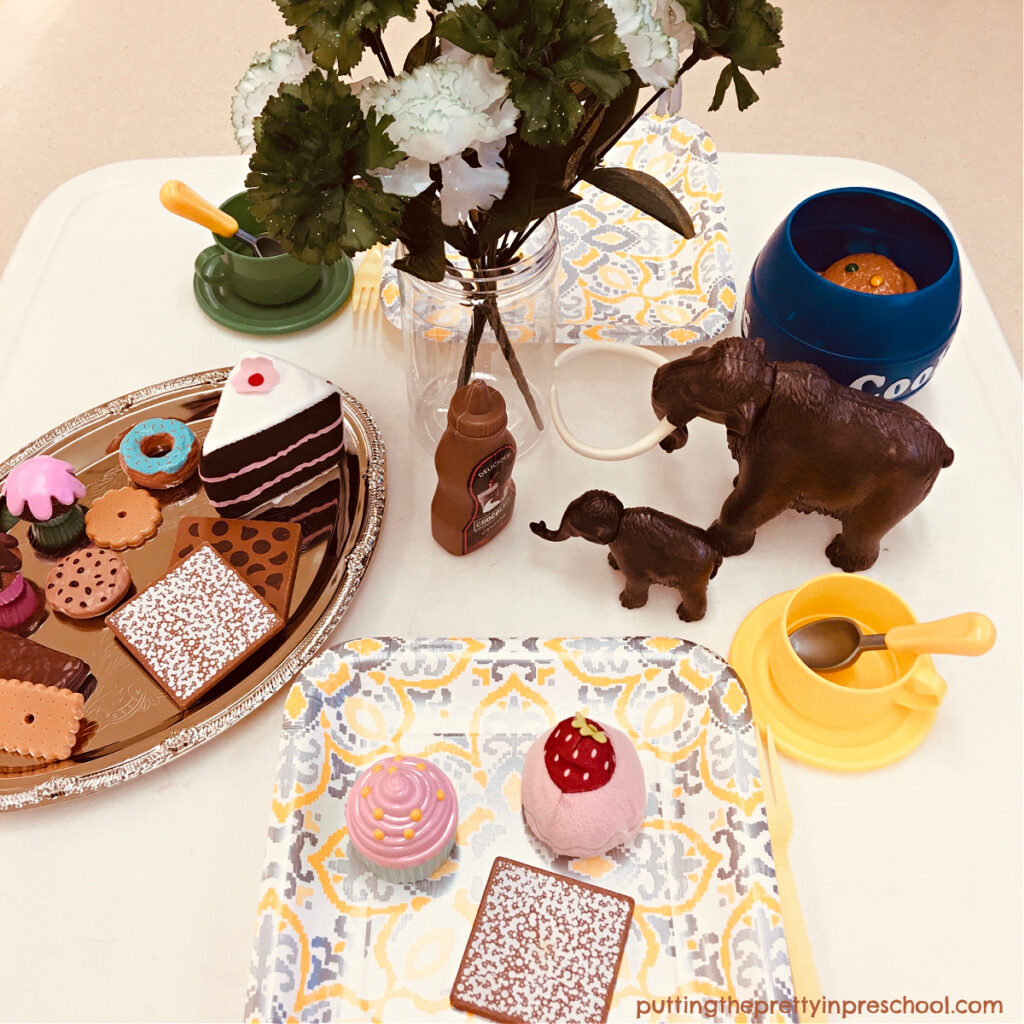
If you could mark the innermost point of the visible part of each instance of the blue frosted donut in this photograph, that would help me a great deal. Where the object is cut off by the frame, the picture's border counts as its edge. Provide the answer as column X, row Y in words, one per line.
column 159, row 453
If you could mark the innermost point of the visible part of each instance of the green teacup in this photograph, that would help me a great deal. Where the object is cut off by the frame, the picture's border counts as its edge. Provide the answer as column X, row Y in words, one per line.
column 262, row 280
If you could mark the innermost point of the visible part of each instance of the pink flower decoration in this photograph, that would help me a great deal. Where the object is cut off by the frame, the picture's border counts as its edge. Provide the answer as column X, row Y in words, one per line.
column 40, row 482
column 254, row 375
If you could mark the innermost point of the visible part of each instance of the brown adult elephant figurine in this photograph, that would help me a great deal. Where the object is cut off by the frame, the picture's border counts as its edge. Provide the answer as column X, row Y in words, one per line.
column 648, row 546
column 804, row 442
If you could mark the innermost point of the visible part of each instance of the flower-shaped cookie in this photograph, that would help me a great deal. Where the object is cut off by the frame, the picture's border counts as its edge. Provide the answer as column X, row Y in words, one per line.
column 123, row 518
column 40, row 483
column 255, row 374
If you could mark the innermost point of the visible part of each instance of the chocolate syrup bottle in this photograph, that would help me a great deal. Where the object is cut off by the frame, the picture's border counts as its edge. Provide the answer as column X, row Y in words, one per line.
column 475, row 493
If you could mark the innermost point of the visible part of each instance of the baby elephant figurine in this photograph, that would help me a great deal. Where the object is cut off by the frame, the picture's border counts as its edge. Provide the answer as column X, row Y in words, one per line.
column 647, row 546
column 802, row 442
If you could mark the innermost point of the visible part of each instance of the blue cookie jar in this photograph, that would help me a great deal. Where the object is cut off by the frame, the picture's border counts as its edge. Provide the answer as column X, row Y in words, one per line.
column 887, row 345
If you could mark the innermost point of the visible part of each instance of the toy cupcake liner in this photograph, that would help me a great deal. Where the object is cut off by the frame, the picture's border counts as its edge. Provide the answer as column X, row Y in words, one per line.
column 7, row 518
column 13, row 591
column 413, row 873
column 17, row 612
column 59, row 532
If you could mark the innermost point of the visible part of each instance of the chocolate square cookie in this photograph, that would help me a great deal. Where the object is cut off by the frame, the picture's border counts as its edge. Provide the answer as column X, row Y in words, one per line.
column 264, row 554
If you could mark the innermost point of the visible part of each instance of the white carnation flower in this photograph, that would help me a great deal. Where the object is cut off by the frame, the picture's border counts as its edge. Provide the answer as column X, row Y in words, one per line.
column 440, row 110
column 287, row 62
column 653, row 53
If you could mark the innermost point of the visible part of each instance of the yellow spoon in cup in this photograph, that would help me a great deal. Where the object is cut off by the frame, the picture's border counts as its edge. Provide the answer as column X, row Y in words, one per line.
column 835, row 642
column 177, row 197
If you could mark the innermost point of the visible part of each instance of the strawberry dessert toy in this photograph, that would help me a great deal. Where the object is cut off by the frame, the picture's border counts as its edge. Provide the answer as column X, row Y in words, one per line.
column 583, row 788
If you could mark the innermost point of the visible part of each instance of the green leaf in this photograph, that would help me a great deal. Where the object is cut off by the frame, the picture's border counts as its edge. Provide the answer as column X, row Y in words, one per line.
column 747, row 33
column 514, row 210
column 555, row 54
column 423, row 51
column 646, row 193
column 615, row 117
column 745, row 95
column 724, row 81
column 550, row 200
column 754, row 39
column 310, row 182
column 422, row 235
column 333, row 31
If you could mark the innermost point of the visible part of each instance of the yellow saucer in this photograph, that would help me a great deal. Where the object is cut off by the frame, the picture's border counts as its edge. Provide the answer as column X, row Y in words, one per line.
column 846, row 750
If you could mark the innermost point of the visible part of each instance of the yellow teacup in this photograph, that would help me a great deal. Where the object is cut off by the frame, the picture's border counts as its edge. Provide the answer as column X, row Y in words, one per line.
column 877, row 685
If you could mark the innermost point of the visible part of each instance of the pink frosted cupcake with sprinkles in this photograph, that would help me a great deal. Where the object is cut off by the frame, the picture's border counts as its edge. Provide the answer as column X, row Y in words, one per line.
column 401, row 815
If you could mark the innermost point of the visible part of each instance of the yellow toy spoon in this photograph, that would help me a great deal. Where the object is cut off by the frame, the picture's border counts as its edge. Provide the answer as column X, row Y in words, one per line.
column 835, row 642
column 186, row 202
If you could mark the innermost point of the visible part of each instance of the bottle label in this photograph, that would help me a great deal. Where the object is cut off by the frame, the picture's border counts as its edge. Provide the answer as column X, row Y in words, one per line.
column 490, row 485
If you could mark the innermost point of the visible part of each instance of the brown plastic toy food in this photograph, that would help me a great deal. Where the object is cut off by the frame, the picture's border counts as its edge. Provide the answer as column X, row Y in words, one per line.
column 87, row 583
column 803, row 442
column 871, row 273
column 265, row 555
column 194, row 624
column 544, row 947
column 648, row 546
column 124, row 518
column 25, row 659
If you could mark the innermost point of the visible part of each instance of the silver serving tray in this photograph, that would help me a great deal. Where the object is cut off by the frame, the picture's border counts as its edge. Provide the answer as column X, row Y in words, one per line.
column 131, row 726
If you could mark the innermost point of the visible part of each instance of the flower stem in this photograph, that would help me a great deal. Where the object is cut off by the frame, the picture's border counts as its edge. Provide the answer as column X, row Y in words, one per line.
column 486, row 310
column 472, row 344
column 497, row 325
column 376, row 43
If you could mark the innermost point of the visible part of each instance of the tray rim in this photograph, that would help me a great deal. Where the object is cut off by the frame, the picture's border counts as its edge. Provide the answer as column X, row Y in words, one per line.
column 393, row 645
column 185, row 736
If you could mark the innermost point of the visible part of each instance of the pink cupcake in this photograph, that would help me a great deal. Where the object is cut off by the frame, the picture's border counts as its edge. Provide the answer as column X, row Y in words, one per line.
column 583, row 788
column 19, row 599
column 45, row 491
column 401, row 815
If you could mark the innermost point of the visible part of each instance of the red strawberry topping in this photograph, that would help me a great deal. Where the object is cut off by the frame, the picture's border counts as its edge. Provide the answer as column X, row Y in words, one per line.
column 578, row 755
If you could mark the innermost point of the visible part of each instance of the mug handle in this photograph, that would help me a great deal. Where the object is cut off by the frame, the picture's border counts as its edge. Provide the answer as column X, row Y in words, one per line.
column 210, row 265
column 924, row 692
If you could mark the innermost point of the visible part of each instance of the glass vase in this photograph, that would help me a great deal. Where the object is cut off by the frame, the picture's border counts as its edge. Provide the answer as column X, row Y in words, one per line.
column 495, row 324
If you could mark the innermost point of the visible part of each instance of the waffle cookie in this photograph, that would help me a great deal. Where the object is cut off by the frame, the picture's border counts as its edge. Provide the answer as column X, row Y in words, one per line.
column 194, row 624
column 544, row 947
column 38, row 721
column 265, row 555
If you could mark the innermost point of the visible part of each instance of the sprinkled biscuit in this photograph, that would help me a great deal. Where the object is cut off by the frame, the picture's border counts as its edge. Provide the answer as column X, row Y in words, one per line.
column 544, row 947
column 38, row 721
column 193, row 625
column 124, row 518
column 87, row 583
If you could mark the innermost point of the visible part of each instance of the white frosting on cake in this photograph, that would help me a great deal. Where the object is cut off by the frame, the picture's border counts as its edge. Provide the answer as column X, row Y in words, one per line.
column 242, row 414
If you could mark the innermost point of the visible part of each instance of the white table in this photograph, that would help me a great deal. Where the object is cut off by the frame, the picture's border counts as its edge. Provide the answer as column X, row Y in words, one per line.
column 138, row 903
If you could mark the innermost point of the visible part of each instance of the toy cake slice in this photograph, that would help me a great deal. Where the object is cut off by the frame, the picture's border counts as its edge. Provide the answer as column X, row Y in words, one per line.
column 277, row 426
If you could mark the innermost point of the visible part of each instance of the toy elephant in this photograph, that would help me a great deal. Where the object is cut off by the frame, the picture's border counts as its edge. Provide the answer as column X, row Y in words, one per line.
column 804, row 442
column 647, row 546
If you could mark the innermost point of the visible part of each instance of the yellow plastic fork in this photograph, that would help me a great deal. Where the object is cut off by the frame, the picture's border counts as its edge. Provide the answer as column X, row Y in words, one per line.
column 366, row 286
column 780, row 826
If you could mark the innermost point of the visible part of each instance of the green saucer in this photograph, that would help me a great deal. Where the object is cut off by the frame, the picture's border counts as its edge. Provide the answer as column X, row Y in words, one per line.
column 220, row 303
